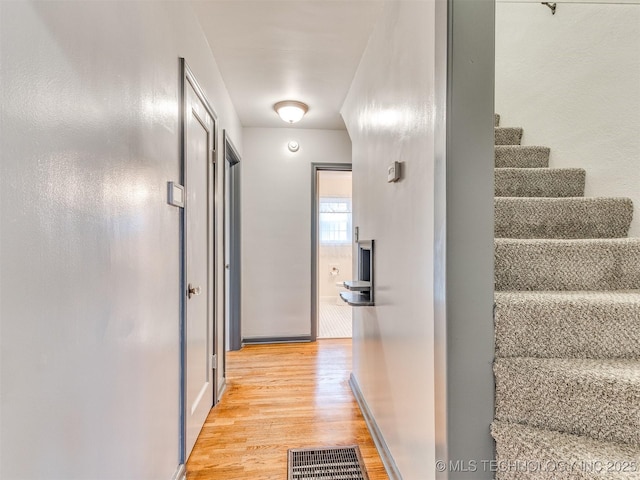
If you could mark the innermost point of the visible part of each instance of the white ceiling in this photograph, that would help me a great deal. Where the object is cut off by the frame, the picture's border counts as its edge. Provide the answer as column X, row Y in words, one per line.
column 306, row 50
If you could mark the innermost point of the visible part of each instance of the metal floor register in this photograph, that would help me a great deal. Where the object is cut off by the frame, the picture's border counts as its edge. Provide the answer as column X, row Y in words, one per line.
column 334, row 463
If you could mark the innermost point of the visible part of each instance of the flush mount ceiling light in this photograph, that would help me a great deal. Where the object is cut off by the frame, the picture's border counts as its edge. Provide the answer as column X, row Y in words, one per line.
column 291, row 111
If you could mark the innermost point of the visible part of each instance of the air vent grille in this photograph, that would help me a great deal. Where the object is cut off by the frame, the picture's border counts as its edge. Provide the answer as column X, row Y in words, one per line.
column 334, row 463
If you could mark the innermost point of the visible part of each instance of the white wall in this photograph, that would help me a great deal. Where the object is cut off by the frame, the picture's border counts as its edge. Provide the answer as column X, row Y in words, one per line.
column 89, row 286
column 276, row 226
column 572, row 80
column 389, row 113
column 330, row 257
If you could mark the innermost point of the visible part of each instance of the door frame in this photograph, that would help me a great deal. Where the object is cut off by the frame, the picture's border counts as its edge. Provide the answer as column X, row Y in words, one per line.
column 189, row 79
column 231, row 225
column 315, row 168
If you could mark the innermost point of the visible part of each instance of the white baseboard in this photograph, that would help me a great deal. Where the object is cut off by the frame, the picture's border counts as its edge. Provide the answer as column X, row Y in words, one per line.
column 180, row 474
column 223, row 387
column 387, row 460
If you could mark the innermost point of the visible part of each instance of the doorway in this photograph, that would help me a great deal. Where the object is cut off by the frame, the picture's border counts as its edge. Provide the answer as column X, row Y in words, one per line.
column 332, row 252
column 197, row 329
column 232, row 281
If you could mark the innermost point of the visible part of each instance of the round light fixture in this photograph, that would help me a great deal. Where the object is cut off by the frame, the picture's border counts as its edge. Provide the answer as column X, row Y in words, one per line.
column 291, row 111
column 293, row 146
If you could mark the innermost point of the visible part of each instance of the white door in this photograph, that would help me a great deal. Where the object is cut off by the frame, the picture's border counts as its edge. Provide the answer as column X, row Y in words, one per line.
column 199, row 329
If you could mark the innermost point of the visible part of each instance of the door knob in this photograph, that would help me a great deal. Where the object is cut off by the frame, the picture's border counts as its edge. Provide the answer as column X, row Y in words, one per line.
column 191, row 290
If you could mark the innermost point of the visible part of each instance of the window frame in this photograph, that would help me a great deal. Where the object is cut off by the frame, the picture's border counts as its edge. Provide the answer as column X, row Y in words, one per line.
column 349, row 230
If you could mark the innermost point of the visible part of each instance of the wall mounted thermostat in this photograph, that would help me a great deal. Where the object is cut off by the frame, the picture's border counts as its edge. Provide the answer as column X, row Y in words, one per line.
column 175, row 195
column 393, row 172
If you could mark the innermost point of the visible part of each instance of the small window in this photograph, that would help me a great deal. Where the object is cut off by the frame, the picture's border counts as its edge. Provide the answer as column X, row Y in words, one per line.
column 335, row 221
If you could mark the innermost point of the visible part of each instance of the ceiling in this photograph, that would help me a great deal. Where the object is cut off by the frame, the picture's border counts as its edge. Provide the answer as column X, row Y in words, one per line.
column 306, row 50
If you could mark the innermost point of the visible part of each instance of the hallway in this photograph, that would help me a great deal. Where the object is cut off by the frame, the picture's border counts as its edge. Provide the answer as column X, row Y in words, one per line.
column 99, row 278
column 280, row 397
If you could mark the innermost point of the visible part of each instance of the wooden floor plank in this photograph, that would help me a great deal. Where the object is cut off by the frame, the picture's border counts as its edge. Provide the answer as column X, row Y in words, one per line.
column 280, row 397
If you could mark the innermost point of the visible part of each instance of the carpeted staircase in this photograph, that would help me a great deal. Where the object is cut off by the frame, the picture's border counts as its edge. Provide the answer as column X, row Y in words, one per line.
column 567, row 323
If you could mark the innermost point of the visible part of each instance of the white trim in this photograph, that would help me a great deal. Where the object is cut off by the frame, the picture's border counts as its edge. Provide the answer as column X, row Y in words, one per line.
column 385, row 454
column 180, row 474
column 222, row 388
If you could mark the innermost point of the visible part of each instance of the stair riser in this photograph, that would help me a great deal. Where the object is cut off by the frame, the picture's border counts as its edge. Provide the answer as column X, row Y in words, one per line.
column 575, row 401
column 562, row 218
column 525, row 453
column 508, row 136
column 510, row 156
column 539, row 182
column 567, row 264
column 558, row 364
column 551, row 327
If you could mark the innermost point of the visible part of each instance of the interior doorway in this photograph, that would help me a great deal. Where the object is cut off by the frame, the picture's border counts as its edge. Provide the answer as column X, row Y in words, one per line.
column 333, row 249
column 232, row 281
column 197, row 329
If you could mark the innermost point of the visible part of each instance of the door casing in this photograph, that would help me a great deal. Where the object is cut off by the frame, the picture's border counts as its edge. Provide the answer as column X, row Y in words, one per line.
column 315, row 168
column 232, row 257
column 188, row 80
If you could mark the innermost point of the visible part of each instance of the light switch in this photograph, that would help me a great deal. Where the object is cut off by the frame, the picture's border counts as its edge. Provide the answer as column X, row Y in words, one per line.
column 393, row 172
column 176, row 195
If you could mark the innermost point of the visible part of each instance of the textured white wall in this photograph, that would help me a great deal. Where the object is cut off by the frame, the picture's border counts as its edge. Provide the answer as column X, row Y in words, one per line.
column 389, row 113
column 572, row 80
column 89, row 285
column 276, row 226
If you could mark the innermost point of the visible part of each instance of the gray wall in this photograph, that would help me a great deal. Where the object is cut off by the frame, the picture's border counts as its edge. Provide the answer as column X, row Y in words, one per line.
column 389, row 116
column 276, row 227
column 464, row 241
column 423, row 96
column 89, row 286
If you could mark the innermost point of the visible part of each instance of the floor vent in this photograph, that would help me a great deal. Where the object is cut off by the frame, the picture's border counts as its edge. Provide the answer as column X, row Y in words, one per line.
column 334, row 463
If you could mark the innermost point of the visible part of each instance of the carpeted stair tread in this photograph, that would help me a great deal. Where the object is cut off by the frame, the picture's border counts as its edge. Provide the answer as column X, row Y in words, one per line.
column 529, row 453
column 496, row 119
column 552, row 264
column 539, row 182
column 521, row 156
column 595, row 398
column 558, row 324
column 508, row 135
column 567, row 323
column 575, row 217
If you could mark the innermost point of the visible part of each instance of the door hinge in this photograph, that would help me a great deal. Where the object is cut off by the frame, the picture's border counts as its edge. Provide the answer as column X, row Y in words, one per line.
column 214, row 361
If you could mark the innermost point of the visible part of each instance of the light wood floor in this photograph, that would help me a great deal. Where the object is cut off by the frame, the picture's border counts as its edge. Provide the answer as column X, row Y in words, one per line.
column 280, row 397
